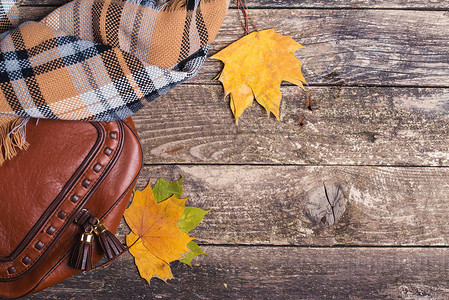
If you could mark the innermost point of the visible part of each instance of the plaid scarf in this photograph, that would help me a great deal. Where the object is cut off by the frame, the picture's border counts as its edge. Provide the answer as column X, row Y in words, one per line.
column 98, row 59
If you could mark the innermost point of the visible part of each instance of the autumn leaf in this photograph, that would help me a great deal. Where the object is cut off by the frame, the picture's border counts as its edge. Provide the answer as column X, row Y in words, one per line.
column 159, row 228
column 148, row 264
column 189, row 220
column 255, row 66
column 162, row 190
column 191, row 217
column 194, row 251
column 156, row 224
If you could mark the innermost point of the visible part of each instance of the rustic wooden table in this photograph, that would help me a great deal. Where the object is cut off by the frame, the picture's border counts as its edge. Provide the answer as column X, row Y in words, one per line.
column 376, row 141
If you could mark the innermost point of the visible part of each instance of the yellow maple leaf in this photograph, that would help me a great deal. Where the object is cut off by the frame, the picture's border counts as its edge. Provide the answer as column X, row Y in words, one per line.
column 255, row 66
column 148, row 264
column 155, row 225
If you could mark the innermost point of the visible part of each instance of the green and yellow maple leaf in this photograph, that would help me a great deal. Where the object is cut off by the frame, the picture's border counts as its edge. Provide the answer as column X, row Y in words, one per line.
column 159, row 229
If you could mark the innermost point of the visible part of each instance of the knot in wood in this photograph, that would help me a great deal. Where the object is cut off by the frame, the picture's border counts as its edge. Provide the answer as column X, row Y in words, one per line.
column 326, row 204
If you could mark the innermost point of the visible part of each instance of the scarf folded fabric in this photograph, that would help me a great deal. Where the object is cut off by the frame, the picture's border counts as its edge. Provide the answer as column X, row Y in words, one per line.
column 98, row 59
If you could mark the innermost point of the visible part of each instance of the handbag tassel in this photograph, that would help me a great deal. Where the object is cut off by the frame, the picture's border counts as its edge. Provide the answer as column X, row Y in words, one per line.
column 82, row 253
column 111, row 246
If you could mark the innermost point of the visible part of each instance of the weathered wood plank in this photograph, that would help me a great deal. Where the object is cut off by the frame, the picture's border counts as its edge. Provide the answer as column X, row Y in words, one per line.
column 377, row 206
column 323, row 4
column 275, row 273
column 362, row 126
column 401, row 4
column 356, row 47
column 348, row 47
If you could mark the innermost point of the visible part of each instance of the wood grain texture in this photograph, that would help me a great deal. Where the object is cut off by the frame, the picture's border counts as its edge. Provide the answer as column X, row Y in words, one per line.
column 275, row 205
column 357, row 126
column 397, row 4
column 324, row 4
column 347, row 47
column 275, row 273
column 303, row 230
column 355, row 47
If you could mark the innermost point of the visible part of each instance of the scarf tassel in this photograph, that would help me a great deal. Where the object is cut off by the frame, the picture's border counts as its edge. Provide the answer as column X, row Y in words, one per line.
column 12, row 138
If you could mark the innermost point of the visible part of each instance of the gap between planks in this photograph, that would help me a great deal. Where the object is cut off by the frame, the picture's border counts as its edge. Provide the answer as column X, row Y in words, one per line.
column 273, row 273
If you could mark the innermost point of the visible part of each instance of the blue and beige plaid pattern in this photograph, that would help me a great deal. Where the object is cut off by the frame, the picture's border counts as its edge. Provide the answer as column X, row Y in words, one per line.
column 99, row 59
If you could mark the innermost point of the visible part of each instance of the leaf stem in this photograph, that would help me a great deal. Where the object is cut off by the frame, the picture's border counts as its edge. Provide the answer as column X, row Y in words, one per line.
column 252, row 21
column 244, row 15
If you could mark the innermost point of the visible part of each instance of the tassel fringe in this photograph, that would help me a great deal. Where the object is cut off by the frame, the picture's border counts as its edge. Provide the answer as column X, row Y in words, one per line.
column 111, row 246
column 81, row 258
column 12, row 137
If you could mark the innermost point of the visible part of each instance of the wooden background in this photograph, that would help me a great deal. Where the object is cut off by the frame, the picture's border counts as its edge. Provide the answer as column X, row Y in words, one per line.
column 376, row 142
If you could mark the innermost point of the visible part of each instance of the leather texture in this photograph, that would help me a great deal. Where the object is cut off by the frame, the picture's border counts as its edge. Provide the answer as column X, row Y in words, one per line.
column 68, row 167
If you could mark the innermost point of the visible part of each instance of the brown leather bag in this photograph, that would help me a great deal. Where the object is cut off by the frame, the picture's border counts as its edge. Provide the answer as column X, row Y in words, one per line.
column 74, row 178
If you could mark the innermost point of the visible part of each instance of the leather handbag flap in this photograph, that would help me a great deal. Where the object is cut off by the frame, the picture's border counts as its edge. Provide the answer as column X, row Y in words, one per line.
column 43, row 188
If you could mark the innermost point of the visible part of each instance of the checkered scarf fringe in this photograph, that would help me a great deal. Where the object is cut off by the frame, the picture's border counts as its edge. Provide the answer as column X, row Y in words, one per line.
column 98, row 59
